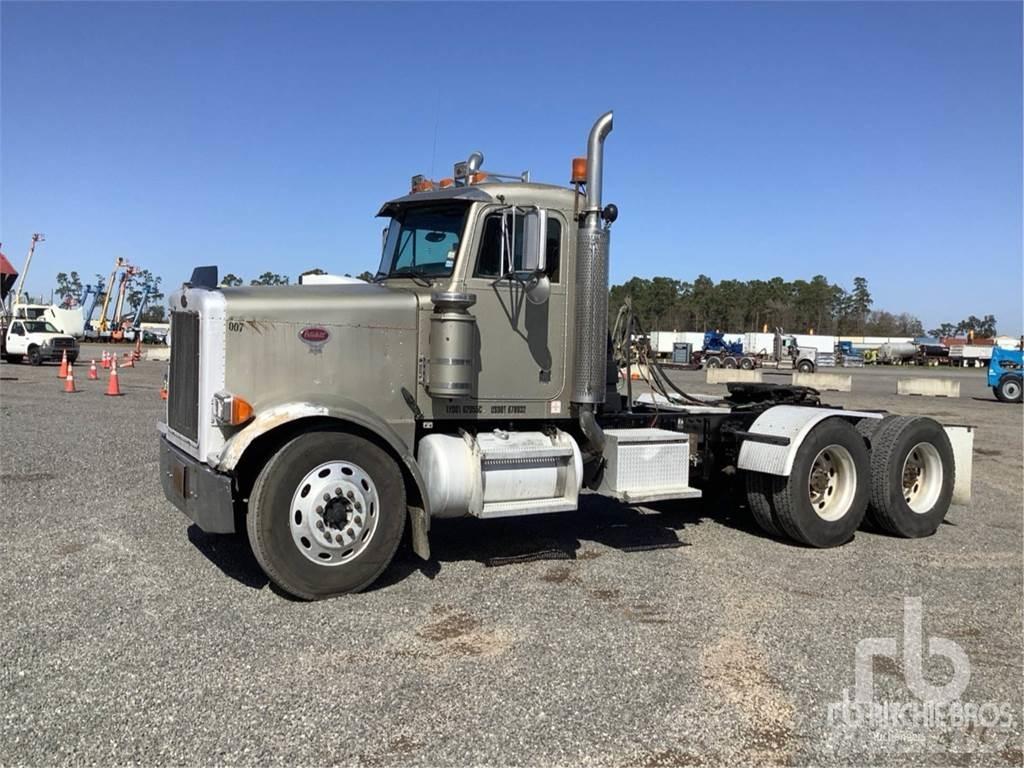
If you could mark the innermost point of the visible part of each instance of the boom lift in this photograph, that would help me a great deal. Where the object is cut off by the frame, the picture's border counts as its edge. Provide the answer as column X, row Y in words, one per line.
column 475, row 377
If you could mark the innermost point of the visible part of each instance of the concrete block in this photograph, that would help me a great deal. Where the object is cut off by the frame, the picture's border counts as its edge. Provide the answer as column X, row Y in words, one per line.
column 834, row 382
column 730, row 375
column 929, row 387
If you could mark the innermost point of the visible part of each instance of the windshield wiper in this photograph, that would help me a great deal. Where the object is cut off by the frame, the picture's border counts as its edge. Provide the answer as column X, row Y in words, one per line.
column 418, row 275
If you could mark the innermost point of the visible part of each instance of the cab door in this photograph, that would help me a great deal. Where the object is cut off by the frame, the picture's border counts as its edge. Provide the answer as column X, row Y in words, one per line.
column 522, row 343
column 17, row 339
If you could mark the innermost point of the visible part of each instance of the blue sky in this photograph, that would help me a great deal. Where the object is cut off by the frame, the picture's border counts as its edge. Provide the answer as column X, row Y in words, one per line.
column 875, row 139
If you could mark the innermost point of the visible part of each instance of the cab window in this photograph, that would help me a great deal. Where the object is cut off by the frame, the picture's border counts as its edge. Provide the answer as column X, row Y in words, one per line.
column 488, row 262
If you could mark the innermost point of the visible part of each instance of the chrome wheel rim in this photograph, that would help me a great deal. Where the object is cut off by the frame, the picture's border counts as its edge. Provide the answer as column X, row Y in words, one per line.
column 1011, row 389
column 334, row 513
column 922, row 477
column 832, row 483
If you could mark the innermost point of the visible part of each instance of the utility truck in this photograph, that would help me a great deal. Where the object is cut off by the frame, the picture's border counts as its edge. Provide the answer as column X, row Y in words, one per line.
column 475, row 376
column 36, row 340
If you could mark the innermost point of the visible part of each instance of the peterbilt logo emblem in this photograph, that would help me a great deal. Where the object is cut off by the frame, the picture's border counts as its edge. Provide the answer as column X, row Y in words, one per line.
column 315, row 337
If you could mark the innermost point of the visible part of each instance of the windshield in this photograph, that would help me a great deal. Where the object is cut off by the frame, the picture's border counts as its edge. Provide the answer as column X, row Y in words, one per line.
column 423, row 242
column 39, row 326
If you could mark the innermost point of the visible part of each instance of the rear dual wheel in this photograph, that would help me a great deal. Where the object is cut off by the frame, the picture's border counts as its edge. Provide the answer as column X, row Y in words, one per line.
column 823, row 499
column 904, row 483
column 912, row 476
column 326, row 514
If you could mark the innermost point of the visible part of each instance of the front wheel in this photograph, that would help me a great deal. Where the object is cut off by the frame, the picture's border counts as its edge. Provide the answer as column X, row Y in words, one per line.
column 805, row 366
column 1008, row 390
column 326, row 514
column 713, row 362
column 823, row 500
column 35, row 357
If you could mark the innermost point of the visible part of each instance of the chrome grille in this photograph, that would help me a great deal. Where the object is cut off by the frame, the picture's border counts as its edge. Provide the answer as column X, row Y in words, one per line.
column 183, row 381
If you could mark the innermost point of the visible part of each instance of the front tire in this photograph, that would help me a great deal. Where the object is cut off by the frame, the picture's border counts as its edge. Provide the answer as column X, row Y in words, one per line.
column 805, row 366
column 1008, row 390
column 35, row 357
column 912, row 476
column 326, row 514
column 713, row 362
column 823, row 500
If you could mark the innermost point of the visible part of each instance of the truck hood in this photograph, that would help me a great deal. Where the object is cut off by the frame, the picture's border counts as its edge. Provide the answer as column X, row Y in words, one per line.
column 366, row 306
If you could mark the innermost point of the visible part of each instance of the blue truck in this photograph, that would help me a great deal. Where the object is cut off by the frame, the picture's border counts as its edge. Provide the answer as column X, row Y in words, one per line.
column 1005, row 371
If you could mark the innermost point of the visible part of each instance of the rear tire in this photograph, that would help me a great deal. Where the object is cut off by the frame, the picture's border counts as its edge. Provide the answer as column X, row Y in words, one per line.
column 912, row 476
column 759, row 494
column 746, row 363
column 713, row 362
column 1008, row 390
column 315, row 547
column 729, row 362
column 823, row 500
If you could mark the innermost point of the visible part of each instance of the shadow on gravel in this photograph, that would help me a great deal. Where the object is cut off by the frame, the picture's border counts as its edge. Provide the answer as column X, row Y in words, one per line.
column 518, row 540
column 513, row 541
column 231, row 553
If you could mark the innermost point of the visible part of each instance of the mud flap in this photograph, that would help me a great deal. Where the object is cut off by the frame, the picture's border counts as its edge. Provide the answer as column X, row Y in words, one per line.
column 420, row 525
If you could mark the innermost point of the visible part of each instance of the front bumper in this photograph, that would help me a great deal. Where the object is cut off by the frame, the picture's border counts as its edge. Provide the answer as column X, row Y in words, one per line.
column 205, row 496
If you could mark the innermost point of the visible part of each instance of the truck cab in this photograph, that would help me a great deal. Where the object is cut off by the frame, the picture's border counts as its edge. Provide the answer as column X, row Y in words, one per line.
column 476, row 376
column 37, row 340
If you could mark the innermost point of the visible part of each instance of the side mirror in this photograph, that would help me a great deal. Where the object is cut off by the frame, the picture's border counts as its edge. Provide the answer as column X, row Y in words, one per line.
column 535, row 240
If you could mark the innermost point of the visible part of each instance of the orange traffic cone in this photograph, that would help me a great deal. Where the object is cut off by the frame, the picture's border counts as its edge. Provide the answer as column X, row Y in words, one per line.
column 69, row 380
column 163, row 388
column 93, row 375
column 105, row 361
column 129, row 361
column 63, row 372
column 113, row 388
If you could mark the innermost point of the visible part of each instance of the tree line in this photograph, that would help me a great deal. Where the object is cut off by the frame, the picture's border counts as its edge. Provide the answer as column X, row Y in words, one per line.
column 797, row 306
column 231, row 280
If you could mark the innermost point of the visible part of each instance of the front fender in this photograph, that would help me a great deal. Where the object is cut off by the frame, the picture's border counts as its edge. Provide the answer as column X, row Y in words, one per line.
column 342, row 410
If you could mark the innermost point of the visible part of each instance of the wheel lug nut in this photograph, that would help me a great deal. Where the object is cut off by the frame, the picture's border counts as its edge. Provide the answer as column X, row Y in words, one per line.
column 338, row 538
column 327, row 497
column 319, row 510
column 350, row 495
column 338, row 491
column 358, row 506
column 320, row 525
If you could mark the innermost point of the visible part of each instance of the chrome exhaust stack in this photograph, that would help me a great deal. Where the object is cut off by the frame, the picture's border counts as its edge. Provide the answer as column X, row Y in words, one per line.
column 591, row 321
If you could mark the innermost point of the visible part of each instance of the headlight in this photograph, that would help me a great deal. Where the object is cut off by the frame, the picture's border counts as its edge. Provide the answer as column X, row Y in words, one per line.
column 230, row 410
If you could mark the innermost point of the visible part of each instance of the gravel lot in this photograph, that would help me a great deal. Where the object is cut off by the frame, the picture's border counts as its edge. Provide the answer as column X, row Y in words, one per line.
column 675, row 635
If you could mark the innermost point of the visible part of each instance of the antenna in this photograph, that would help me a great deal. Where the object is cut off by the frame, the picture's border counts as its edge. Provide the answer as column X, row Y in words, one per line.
column 437, row 120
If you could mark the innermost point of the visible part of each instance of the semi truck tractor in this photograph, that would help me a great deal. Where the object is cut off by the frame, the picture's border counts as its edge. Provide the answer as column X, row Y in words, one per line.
column 475, row 376
column 785, row 353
